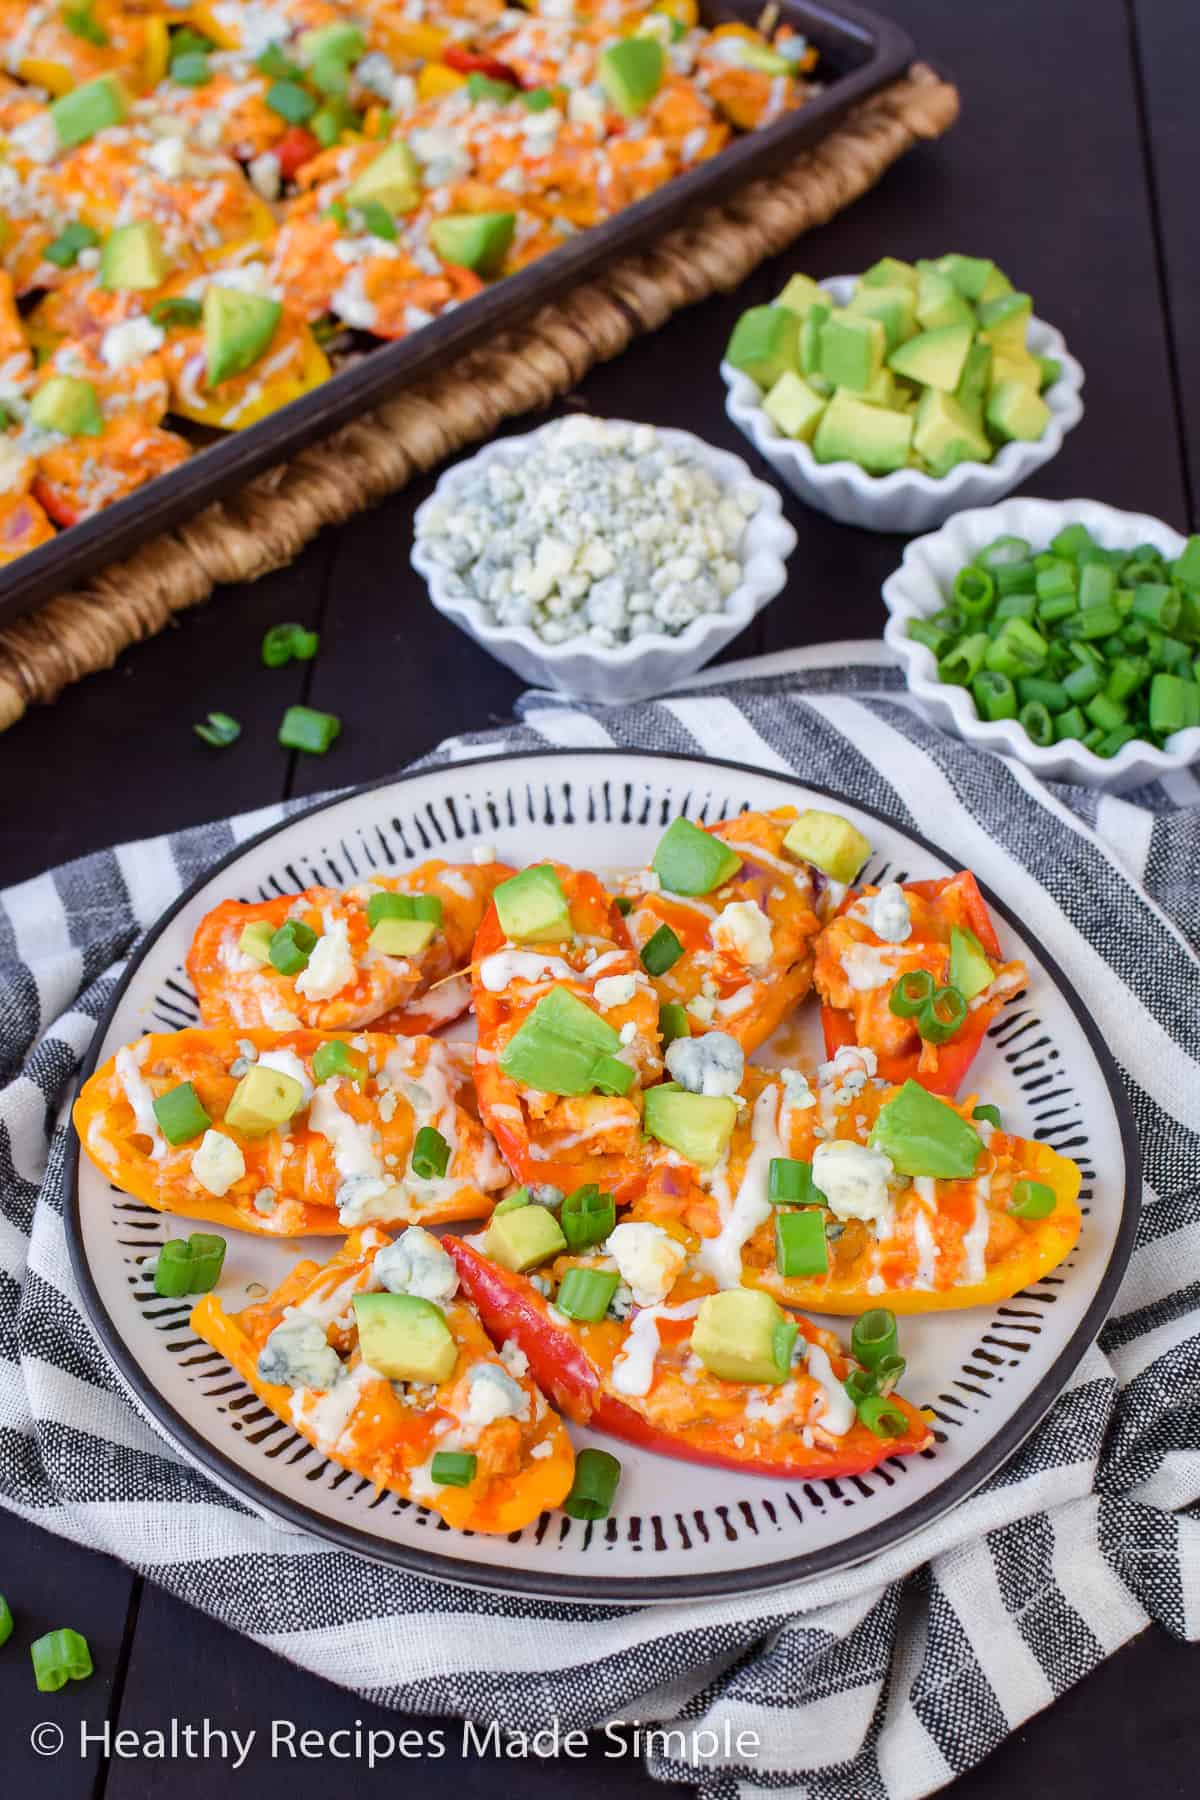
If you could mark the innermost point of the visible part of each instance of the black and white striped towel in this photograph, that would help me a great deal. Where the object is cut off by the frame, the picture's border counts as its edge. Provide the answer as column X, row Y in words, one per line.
column 887, row 1679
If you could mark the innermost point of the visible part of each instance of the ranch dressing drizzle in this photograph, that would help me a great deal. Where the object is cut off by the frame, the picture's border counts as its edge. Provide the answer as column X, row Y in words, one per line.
column 837, row 1409
column 137, row 1092
column 923, row 1238
column 974, row 1266
column 721, row 1257
column 633, row 1369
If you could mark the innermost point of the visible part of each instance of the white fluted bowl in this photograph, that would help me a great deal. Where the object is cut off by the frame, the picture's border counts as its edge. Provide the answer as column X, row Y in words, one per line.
column 908, row 500
column 920, row 587
column 653, row 660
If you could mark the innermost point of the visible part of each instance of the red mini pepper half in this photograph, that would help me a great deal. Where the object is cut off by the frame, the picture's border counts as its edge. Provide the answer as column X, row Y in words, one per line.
column 953, row 900
column 477, row 62
column 570, row 1363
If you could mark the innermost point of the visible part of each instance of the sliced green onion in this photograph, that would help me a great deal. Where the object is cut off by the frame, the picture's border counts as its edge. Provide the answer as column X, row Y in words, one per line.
column 189, row 1265
column 305, row 729
column 220, row 730
column 283, row 643
column 974, row 592
column 1106, row 712
column 661, row 952
column 332, row 1059
column 874, row 1336
column 673, row 1023
column 389, row 905
column 1002, row 552
column 941, row 1015
column 1050, row 694
column 888, row 1372
column 1037, row 722
column 624, row 905
column 790, row 1183
column 453, row 1468
column 585, row 1294
column 291, row 947
column 960, row 665
column 910, row 993
column 431, row 1154
column 882, row 1417
column 192, row 69
column 1019, row 649
column 595, row 1485
column 1055, row 581
column 176, row 309
column 274, row 63
column 73, row 238
column 989, row 1113
column 512, row 1202
column 994, row 695
column 1013, row 606
column 1157, row 605
column 588, row 1216
column 6, row 1620
column 924, row 631
column 800, row 1245
column 291, row 101
column 180, row 1114
column 1069, row 724
column 1032, row 1200
column 59, row 1657
column 82, row 22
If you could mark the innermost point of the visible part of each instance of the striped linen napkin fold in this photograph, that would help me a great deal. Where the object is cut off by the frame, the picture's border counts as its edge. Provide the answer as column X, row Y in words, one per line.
column 886, row 1679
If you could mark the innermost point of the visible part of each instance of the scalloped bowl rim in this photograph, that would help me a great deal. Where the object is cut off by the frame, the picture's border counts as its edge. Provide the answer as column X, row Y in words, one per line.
column 739, row 609
column 1014, row 460
column 921, row 666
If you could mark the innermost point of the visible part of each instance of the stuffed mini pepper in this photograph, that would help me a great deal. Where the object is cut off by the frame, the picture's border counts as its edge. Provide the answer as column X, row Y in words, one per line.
column 724, row 920
column 294, row 1132
column 914, row 973
column 628, row 1334
column 384, row 1367
column 568, row 1032
column 846, row 1192
column 382, row 954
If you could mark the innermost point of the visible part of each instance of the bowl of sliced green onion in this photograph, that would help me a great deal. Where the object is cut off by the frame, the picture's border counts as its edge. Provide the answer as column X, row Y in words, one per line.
column 1065, row 634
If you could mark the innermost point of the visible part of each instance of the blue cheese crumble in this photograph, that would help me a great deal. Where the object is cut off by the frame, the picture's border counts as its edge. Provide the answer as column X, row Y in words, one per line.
column 597, row 530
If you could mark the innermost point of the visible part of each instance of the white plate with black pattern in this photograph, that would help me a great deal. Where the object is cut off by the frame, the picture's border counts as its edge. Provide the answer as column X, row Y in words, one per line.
column 987, row 1376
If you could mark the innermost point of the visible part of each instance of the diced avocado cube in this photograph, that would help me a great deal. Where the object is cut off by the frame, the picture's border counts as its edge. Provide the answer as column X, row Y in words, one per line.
column 524, row 1237
column 852, row 430
column 1016, row 411
column 744, row 1335
column 945, row 434
column 337, row 42
column 477, row 241
column 794, row 407
column 255, row 940
column 86, row 110
column 1016, row 365
column 923, row 1135
column 996, row 284
column 405, row 1337
column 699, row 1126
column 133, row 258
column 392, row 179
column 889, row 271
column 894, row 307
column 238, row 328
column 691, row 861
column 763, row 345
column 401, row 937
column 1049, row 369
column 968, row 273
column 800, row 293
column 813, row 324
column 934, row 358
column 882, row 391
column 830, row 843
column 970, row 970
column 263, row 1099
column 974, row 381
column 631, row 72
column 939, row 302
column 532, row 907
column 1003, row 322
column 559, row 1045
column 68, row 404
column 852, row 350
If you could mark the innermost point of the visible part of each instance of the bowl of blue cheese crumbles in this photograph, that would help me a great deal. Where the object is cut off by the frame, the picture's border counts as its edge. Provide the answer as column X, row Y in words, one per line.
column 600, row 557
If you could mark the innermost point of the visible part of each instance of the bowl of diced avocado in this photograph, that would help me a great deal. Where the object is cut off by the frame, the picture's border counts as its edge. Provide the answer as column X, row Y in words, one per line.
column 893, row 399
column 1064, row 634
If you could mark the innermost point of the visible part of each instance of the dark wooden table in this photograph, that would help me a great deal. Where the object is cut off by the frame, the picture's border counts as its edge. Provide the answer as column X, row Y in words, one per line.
column 1076, row 166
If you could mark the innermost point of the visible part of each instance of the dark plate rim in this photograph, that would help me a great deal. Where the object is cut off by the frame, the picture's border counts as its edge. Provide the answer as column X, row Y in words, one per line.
column 530, row 1583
